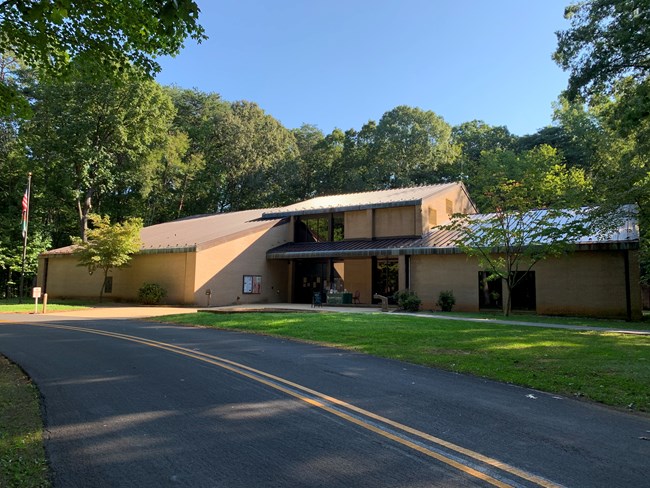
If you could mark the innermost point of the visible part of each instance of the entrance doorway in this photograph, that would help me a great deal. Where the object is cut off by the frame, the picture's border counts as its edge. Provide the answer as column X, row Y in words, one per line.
column 385, row 278
column 317, row 276
column 490, row 293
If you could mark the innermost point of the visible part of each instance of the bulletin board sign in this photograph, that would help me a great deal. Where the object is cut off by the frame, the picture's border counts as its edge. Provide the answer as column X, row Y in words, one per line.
column 252, row 285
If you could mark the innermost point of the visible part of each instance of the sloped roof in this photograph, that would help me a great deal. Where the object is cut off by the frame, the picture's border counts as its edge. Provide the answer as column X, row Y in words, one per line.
column 623, row 234
column 360, row 201
column 440, row 240
column 195, row 233
column 203, row 230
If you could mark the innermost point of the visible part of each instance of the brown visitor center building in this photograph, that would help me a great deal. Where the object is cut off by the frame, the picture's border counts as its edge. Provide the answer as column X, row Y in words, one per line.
column 363, row 243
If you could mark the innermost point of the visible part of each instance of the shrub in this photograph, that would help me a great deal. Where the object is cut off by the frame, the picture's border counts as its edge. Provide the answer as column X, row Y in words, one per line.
column 446, row 300
column 151, row 293
column 407, row 300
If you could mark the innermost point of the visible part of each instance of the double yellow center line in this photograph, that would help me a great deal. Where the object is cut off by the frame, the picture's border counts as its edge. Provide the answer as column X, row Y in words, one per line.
column 395, row 431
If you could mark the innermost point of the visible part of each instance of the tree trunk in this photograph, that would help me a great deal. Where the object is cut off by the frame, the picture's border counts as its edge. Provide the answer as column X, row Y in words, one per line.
column 507, row 304
column 84, row 209
column 101, row 291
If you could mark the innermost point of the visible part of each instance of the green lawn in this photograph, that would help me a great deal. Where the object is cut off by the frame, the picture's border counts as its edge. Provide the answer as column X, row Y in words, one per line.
column 610, row 368
column 22, row 456
column 11, row 305
column 523, row 317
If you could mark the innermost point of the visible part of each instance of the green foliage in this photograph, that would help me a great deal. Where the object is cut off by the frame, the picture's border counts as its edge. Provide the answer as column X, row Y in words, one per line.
column 532, row 179
column 474, row 138
column 607, row 40
column 108, row 246
column 111, row 36
column 151, row 293
column 407, row 300
column 509, row 242
column 22, row 455
column 446, row 300
column 95, row 141
column 411, row 146
column 515, row 236
column 243, row 154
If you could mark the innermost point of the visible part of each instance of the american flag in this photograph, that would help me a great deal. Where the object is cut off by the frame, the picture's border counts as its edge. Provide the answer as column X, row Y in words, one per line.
column 25, row 204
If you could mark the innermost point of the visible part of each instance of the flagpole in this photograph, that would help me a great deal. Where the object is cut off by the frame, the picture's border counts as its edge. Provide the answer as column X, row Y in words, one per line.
column 25, row 225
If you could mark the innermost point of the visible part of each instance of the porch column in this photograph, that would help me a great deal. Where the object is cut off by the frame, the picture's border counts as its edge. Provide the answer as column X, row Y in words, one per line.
column 402, row 273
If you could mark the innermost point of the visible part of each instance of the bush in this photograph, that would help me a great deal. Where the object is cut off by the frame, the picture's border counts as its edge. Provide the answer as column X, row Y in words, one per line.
column 151, row 293
column 407, row 300
column 446, row 300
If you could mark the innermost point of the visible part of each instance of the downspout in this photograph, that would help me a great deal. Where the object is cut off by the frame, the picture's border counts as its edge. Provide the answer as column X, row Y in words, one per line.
column 628, row 292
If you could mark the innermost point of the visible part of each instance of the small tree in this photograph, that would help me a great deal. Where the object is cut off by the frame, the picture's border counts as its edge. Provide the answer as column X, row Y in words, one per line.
column 108, row 246
column 516, row 235
column 508, row 244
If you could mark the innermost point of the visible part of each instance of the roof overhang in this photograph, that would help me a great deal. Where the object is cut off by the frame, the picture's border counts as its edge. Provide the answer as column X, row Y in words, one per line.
column 402, row 247
column 338, row 209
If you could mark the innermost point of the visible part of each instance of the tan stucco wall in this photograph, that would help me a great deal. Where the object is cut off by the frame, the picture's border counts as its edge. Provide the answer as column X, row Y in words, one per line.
column 460, row 203
column 396, row 222
column 185, row 276
column 581, row 283
column 172, row 271
column 358, row 224
column 358, row 276
column 222, row 268
column 432, row 274
column 587, row 283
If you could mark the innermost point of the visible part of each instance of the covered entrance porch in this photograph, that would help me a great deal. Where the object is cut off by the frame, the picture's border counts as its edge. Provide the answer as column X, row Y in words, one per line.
column 360, row 267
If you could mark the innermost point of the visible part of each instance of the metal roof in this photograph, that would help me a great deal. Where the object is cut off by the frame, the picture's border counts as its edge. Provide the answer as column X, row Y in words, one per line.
column 624, row 234
column 360, row 201
column 195, row 233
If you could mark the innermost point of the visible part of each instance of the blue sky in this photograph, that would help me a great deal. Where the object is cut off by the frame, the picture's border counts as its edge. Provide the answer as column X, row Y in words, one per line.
column 341, row 63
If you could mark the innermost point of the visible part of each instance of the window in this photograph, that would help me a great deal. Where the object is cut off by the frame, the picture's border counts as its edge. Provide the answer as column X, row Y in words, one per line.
column 490, row 293
column 338, row 227
column 108, row 285
column 385, row 277
column 320, row 228
column 312, row 229
column 450, row 206
column 252, row 285
column 433, row 217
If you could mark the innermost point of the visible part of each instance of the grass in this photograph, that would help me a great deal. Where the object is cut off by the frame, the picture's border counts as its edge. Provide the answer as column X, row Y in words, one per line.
column 22, row 456
column 643, row 324
column 610, row 368
column 11, row 305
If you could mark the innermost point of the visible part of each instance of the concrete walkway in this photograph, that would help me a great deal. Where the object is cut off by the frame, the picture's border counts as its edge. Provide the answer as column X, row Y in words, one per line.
column 116, row 311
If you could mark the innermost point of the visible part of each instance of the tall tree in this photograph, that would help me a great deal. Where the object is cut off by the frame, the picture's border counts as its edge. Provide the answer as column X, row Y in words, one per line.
column 168, row 177
column 473, row 138
column 538, row 178
column 245, row 147
column 608, row 40
column 302, row 178
column 607, row 53
column 48, row 34
column 90, row 140
column 577, row 132
column 411, row 145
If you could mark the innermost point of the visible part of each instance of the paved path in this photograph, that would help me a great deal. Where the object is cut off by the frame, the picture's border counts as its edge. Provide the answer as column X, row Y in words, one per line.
column 145, row 404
